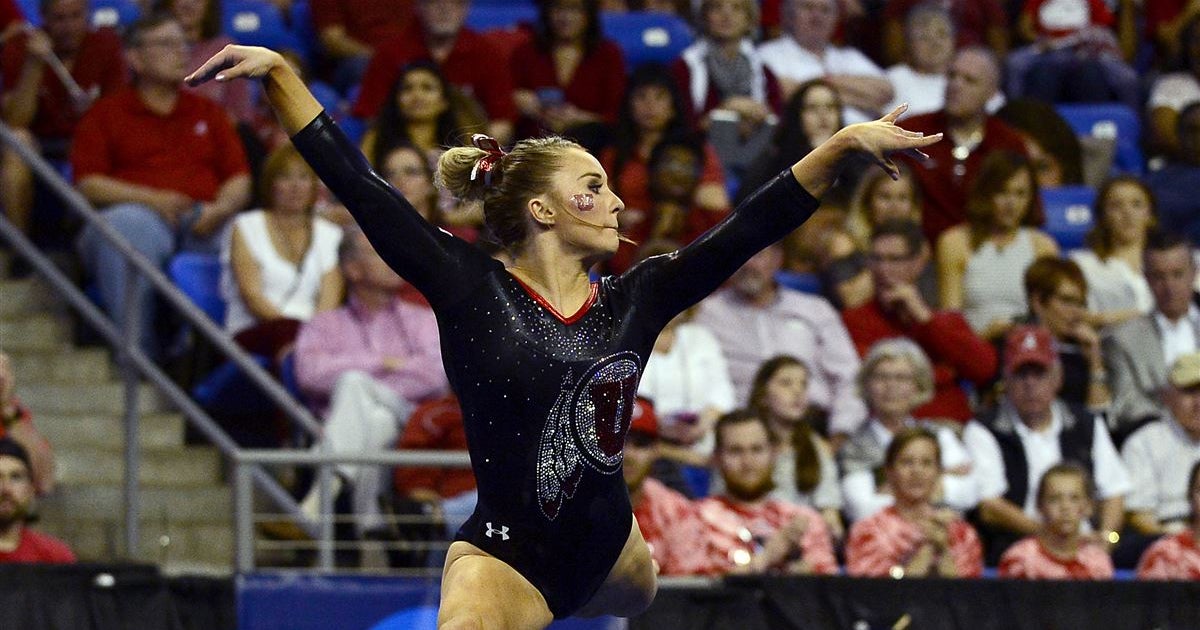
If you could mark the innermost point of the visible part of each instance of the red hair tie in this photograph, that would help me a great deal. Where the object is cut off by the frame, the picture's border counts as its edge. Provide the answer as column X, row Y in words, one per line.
column 488, row 162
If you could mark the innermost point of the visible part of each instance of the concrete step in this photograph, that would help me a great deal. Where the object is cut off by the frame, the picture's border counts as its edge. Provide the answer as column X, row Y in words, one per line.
column 98, row 502
column 163, row 543
column 85, row 366
column 74, row 399
column 22, row 297
column 93, row 430
column 173, row 467
column 37, row 331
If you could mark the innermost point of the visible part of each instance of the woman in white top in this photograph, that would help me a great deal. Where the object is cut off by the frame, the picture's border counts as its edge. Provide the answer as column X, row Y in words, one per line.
column 981, row 263
column 1112, row 263
column 895, row 379
column 279, row 264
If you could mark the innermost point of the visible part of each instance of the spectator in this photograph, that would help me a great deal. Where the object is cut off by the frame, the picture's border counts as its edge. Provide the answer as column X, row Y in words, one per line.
column 1158, row 454
column 688, row 380
column 1051, row 144
column 18, row 542
column 732, row 92
column 202, row 26
column 437, row 425
column 569, row 78
column 971, row 135
column 895, row 379
column 420, row 112
column 1173, row 92
column 898, row 252
column 806, row 52
column 878, row 199
column 466, row 59
column 654, row 111
column 35, row 103
column 279, row 263
column 1031, row 430
column 676, row 168
column 1176, row 183
column 169, row 187
column 1055, row 290
column 409, row 171
column 371, row 361
column 1074, row 55
column 928, row 42
column 748, row 530
column 16, row 424
column 812, row 114
column 668, row 521
column 1138, row 352
column 977, row 23
column 1112, row 262
column 349, row 32
column 981, row 263
column 914, row 538
column 755, row 319
column 1060, row 550
column 1177, row 557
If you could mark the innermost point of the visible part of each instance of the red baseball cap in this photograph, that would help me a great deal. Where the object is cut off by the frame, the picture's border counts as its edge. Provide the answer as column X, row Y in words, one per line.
column 1029, row 344
column 644, row 420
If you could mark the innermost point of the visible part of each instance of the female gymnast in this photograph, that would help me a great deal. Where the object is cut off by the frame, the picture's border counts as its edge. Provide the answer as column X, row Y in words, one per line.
column 545, row 362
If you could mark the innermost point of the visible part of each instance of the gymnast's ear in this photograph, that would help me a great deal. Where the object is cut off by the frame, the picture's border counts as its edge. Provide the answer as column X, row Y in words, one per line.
column 542, row 211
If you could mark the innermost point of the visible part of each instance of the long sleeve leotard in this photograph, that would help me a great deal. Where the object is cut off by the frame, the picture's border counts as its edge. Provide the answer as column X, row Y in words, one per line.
column 546, row 397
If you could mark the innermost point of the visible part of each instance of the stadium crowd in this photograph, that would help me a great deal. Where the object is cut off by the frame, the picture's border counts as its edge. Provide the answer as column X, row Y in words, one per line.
column 934, row 374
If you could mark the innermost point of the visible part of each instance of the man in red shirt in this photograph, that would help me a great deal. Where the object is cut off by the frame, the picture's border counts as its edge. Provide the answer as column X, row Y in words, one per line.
column 466, row 58
column 167, row 164
column 37, row 105
column 971, row 134
column 350, row 30
column 19, row 543
column 438, row 425
column 898, row 253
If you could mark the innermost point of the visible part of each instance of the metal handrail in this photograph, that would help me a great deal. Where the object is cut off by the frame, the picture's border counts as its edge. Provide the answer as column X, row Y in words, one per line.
column 133, row 360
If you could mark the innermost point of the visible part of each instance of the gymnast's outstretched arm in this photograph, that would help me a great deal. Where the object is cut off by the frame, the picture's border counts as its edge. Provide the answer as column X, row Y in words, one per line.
column 439, row 265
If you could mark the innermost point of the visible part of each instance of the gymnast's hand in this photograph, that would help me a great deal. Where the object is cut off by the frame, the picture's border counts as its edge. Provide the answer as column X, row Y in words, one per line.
column 879, row 139
column 236, row 61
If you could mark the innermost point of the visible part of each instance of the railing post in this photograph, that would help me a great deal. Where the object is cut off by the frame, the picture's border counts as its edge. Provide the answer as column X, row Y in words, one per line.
column 129, row 372
column 325, row 519
column 243, row 514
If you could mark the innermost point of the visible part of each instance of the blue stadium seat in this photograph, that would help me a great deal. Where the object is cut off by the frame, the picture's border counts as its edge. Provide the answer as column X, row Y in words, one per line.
column 1069, row 214
column 258, row 23
column 646, row 37
column 484, row 17
column 30, row 9
column 1110, row 120
column 114, row 13
column 415, row 618
column 300, row 18
column 803, row 282
column 199, row 277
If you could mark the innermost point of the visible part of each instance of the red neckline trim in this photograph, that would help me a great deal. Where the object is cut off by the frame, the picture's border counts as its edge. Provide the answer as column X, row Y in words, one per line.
column 587, row 304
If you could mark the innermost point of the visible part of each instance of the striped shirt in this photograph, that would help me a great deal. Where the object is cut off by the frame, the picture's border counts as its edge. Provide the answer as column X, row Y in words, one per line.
column 735, row 532
column 1029, row 559
column 886, row 540
column 1171, row 558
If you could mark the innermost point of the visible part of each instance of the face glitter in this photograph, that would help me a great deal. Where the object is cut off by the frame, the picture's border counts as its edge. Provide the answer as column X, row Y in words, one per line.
column 584, row 202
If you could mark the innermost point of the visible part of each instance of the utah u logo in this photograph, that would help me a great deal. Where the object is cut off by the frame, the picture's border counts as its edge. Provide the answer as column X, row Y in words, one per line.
column 502, row 532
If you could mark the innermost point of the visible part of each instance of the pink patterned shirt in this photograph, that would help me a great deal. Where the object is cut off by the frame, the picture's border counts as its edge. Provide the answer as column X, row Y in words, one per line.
column 1171, row 558
column 736, row 531
column 672, row 528
column 887, row 539
column 1029, row 559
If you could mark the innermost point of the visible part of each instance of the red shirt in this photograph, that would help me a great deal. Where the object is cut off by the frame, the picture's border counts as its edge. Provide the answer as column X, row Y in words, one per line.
column 435, row 425
column 672, row 528
column 99, row 68
column 596, row 86
column 735, row 529
column 470, row 66
column 193, row 149
column 885, row 540
column 953, row 348
column 1171, row 558
column 1029, row 559
column 9, row 13
column 944, row 192
column 371, row 22
column 971, row 17
column 36, row 547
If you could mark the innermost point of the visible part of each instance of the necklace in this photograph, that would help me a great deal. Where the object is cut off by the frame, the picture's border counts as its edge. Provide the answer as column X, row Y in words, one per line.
column 962, row 149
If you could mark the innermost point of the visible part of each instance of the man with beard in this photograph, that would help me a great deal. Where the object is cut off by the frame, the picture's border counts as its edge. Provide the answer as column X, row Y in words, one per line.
column 19, row 543
column 748, row 532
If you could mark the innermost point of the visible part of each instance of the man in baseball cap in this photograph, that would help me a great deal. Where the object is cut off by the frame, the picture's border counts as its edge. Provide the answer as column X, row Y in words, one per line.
column 19, row 543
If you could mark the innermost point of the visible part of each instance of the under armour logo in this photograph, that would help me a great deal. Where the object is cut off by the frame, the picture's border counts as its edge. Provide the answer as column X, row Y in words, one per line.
column 502, row 532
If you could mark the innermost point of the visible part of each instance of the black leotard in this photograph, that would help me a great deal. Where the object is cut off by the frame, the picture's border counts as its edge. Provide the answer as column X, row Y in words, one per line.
column 546, row 399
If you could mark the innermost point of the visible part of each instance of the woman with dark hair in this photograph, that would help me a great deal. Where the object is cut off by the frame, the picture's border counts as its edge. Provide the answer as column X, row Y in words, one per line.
column 201, row 22
column 1177, row 556
column 568, row 79
column 545, row 362
column 1052, row 145
column 653, row 111
column 420, row 112
column 981, row 263
column 1112, row 263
